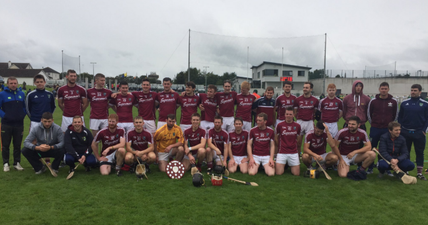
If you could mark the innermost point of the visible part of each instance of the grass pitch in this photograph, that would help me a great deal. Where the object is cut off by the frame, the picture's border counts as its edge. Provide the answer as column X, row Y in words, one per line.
column 89, row 198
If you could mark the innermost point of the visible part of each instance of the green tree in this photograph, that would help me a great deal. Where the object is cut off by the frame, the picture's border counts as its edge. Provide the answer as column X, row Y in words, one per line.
column 318, row 73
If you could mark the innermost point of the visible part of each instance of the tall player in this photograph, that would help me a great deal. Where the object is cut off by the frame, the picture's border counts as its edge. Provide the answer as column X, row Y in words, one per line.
column 304, row 109
column 113, row 146
column 189, row 106
column 288, row 135
column 167, row 102
column 72, row 100
column 315, row 147
column 226, row 105
column 208, row 107
column 244, row 102
column 266, row 104
column 349, row 141
column 284, row 101
column 122, row 105
column 217, row 143
column 194, row 143
column 169, row 142
column 139, row 145
column 99, row 98
column 238, row 148
column 331, row 109
column 261, row 147
column 145, row 100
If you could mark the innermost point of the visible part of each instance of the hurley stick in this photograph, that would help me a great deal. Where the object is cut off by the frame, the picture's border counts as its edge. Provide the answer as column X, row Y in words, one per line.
column 403, row 176
column 49, row 167
column 72, row 172
column 325, row 173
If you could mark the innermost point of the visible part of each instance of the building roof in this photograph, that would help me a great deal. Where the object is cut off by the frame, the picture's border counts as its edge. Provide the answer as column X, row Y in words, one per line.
column 19, row 65
column 279, row 64
column 50, row 70
column 249, row 78
column 19, row 73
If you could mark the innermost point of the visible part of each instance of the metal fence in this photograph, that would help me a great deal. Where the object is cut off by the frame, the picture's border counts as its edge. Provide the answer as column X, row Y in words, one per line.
column 375, row 73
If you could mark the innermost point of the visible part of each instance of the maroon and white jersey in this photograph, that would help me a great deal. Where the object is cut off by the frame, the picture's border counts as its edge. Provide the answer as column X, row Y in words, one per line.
column 350, row 142
column 317, row 144
column 194, row 137
column 220, row 138
column 167, row 104
column 306, row 107
column 283, row 102
column 330, row 109
column 261, row 140
column 288, row 133
column 146, row 104
column 244, row 105
column 189, row 105
column 99, row 99
column 226, row 103
column 139, row 141
column 210, row 105
column 238, row 143
column 72, row 98
column 124, row 106
column 108, row 138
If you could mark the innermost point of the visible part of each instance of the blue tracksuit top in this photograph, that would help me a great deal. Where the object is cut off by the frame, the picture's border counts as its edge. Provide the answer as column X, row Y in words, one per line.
column 12, row 107
column 39, row 102
column 413, row 114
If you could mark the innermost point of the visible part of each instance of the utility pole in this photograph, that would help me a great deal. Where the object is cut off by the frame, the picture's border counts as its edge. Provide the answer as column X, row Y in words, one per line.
column 205, row 68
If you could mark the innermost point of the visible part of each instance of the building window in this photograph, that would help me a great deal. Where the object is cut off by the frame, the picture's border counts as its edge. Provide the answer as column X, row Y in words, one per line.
column 258, row 75
column 270, row 72
column 287, row 73
column 256, row 84
column 301, row 73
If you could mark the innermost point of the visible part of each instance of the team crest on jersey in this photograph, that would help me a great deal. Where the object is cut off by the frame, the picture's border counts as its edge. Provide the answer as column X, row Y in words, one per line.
column 358, row 138
column 173, row 134
column 129, row 99
column 295, row 128
column 267, row 134
column 19, row 96
column 77, row 91
column 243, row 137
column 104, row 94
column 117, row 135
column 150, row 95
column 335, row 103
column 221, row 137
column 271, row 103
column 292, row 101
column 421, row 104
column 197, row 134
column 144, row 138
column 194, row 99
column 172, row 95
column 84, row 138
column 312, row 102
column 49, row 96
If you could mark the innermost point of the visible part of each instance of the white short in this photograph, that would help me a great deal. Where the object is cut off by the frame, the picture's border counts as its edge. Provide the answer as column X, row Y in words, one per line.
column 247, row 126
column 348, row 161
column 98, row 124
column 185, row 127
column 207, row 125
column 323, row 158
column 164, row 156
column 332, row 127
column 150, row 126
column 261, row 159
column 238, row 159
column 34, row 125
column 278, row 121
column 228, row 125
column 127, row 126
column 290, row 159
column 110, row 159
column 305, row 126
column 67, row 121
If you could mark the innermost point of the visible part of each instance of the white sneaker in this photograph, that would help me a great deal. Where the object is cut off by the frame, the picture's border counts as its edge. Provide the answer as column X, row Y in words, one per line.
column 6, row 167
column 18, row 167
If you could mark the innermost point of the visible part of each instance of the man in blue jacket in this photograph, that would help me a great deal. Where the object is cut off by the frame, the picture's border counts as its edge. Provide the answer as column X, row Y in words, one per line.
column 392, row 146
column 413, row 117
column 12, row 112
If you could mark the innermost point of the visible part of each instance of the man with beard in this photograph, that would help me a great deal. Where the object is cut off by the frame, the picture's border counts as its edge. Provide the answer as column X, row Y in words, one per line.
column 226, row 105
column 49, row 143
column 208, row 107
column 122, row 105
column 98, row 97
column 169, row 142
column 72, row 100
column 349, row 140
column 113, row 146
column 244, row 102
column 261, row 147
column 238, row 148
column 167, row 100
column 284, row 101
column 413, row 117
column 146, row 105
column 78, row 140
column 217, row 144
column 305, row 107
column 139, row 145
column 194, row 143
column 189, row 105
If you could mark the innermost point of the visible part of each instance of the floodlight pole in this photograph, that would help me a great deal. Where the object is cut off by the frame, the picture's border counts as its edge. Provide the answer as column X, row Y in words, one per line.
column 93, row 68
column 188, row 60
column 282, row 69
column 248, row 53
column 205, row 68
column 325, row 57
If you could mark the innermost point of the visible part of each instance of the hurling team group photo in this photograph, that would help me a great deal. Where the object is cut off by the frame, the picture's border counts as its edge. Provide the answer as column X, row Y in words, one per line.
column 219, row 132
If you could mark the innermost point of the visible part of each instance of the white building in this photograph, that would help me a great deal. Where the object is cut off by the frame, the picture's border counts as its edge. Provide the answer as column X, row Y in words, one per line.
column 270, row 74
column 24, row 72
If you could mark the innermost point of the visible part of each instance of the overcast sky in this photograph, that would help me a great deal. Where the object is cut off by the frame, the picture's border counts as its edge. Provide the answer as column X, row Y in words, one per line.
column 139, row 37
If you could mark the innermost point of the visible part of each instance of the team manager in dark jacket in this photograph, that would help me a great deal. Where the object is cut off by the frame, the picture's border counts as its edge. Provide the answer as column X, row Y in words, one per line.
column 392, row 147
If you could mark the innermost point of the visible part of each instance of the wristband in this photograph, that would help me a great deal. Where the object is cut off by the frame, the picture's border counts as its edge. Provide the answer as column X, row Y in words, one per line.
column 190, row 148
